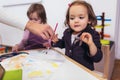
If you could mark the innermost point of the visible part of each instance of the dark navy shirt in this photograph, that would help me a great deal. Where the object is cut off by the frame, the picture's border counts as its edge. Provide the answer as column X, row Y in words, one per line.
column 80, row 52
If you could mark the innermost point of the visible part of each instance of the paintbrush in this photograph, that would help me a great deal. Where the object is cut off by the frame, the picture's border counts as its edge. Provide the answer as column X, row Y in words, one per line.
column 49, row 41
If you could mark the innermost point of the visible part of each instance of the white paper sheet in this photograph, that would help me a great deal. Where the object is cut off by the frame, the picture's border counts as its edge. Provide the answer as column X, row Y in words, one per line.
column 51, row 66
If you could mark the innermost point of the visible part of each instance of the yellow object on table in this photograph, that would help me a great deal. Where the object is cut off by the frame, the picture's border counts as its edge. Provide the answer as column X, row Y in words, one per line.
column 13, row 67
column 105, row 42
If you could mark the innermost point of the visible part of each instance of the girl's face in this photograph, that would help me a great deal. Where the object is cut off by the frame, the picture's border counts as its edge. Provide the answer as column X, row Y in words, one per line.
column 34, row 17
column 78, row 18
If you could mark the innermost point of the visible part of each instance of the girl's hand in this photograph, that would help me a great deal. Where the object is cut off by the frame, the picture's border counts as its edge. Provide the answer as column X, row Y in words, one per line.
column 47, row 44
column 55, row 38
column 87, row 38
column 15, row 48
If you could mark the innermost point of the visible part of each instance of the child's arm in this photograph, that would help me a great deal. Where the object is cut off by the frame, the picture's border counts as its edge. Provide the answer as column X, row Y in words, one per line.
column 24, row 40
column 55, row 38
column 21, row 45
column 56, row 42
column 87, row 38
column 93, row 41
column 15, row 48
column 53, row 41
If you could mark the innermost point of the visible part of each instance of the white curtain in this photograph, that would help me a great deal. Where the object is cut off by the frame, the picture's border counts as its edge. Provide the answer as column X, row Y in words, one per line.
column 117, row 32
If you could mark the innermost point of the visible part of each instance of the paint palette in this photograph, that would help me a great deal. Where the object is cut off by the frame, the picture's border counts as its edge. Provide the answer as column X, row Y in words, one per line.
column 4, row 56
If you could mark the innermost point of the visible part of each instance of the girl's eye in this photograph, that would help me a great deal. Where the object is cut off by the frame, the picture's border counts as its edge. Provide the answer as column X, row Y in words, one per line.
column 71, row 18
column 81, row 17
column 34, row 19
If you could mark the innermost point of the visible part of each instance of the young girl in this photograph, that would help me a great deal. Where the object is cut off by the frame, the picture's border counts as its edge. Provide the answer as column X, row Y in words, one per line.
column 80, row 41
column 36, row 13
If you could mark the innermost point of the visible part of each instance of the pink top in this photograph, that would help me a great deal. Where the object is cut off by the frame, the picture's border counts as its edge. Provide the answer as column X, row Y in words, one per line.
column 24, row 40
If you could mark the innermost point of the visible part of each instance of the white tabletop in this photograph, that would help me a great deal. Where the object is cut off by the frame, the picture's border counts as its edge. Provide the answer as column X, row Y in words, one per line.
column 67, row 70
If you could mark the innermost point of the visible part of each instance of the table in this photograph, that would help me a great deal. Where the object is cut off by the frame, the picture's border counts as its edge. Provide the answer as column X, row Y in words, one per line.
column 70, row 69
column 106, row 65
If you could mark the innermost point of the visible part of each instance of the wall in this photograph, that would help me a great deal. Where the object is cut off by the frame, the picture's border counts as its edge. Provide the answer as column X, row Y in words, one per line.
column 55, row 13
column 117, row 32
column 56, row 10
